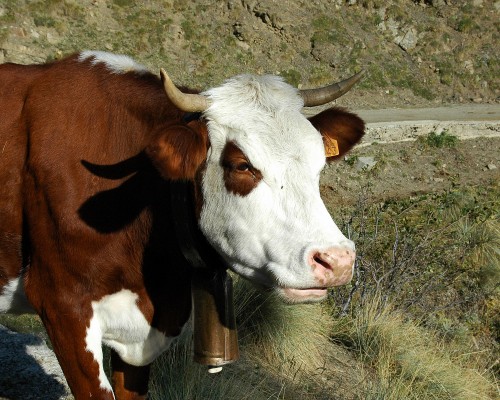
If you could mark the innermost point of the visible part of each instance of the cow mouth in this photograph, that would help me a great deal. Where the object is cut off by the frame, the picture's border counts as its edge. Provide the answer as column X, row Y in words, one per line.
column 308, row 295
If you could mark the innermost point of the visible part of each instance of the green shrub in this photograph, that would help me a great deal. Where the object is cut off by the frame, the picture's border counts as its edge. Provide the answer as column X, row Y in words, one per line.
column 443, row 139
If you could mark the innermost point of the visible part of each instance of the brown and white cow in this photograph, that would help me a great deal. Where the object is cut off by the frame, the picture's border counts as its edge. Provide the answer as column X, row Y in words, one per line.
column 89, row 148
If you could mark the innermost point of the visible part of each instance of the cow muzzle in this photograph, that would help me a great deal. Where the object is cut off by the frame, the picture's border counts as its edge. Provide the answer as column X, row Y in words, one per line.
column 330, row 267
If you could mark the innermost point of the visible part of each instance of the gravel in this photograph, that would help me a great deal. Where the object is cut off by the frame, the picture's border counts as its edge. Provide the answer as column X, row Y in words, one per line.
column 29, row 369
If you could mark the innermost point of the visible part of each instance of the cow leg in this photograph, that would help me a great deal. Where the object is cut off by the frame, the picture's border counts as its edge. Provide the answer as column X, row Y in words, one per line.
column 129, row 382
column 79, row 351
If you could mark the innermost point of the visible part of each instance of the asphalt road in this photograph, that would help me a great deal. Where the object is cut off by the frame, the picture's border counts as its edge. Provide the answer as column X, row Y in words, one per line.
column 468, row 112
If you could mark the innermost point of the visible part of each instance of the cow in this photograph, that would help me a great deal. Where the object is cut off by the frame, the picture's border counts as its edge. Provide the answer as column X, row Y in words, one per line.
column 91, row 147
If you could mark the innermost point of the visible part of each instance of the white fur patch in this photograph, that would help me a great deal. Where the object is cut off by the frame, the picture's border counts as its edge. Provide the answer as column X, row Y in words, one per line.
column 267, row 235
column 118, row 323
column 13, row 299
column 116, row 63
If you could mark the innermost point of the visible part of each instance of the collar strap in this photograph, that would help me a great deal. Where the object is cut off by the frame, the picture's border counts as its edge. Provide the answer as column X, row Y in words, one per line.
column 194, row 246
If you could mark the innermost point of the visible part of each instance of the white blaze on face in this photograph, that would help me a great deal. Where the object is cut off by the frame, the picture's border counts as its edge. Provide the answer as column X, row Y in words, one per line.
column 268, row 234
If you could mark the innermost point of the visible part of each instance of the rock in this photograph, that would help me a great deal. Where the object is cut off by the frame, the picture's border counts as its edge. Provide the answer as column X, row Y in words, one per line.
column 55, row 39
column 469, row 66
column 497, row 5
column 491, row 166
column 407, row 41
column 392, row 26
column 365, row 163
column 34, row 34
column 245, row 46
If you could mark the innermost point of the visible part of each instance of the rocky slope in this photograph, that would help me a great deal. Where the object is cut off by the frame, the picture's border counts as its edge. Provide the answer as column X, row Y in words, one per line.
column 420, row 52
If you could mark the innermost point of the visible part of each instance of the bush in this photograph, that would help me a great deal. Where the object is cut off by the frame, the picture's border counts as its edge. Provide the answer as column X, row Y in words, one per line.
column 443, row 139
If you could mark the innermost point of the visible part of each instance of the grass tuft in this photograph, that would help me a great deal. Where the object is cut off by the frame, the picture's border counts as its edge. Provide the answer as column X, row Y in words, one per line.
column 404, row 361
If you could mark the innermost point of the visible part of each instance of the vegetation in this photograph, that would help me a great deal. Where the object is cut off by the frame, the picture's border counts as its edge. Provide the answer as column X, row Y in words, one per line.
column 443, row 139
column 420, row 319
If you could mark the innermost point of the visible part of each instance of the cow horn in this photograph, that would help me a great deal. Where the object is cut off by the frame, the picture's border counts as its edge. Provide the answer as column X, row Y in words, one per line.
column 184, row 101
column 319, row 96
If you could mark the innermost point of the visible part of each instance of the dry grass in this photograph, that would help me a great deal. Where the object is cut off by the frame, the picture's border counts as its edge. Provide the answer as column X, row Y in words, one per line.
column 292, row 352
column 283, row 354
column 406, row 362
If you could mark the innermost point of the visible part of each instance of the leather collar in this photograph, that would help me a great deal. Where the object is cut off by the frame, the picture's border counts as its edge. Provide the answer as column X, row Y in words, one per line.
column 199, row 254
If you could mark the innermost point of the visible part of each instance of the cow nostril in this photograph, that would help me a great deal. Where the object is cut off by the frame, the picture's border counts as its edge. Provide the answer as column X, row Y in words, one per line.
column 318, row 260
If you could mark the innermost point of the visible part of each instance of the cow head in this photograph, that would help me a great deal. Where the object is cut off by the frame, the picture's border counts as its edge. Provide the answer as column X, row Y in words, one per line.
column 257, row 160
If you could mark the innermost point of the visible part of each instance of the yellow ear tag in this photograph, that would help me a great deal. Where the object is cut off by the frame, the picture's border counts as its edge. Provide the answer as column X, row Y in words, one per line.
column 331, row 147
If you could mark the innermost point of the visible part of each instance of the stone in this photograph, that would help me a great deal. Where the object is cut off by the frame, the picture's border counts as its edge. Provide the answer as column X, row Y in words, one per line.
column 245, row 46
column 365, row 163
column 408, row 41
column 491, row 166
column 53, row 38
column 469, row 66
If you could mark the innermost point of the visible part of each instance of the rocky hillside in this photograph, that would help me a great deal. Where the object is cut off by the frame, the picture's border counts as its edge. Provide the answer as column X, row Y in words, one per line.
column 420, row 52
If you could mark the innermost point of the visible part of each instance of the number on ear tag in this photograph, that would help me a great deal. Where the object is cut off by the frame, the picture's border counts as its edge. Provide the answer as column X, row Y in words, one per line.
column 331, row 147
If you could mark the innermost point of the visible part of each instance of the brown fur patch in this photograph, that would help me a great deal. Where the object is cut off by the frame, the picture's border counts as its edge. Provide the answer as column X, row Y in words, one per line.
column 240, row 177
column 59, row 120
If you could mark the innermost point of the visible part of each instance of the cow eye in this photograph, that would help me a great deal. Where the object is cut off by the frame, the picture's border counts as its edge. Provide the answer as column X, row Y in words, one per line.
column 242, row 167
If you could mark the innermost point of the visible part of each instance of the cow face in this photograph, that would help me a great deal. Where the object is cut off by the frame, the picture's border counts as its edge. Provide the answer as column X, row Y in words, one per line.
column 262, row 209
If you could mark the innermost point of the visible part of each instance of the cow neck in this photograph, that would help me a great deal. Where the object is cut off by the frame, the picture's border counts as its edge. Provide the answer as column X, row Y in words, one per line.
column 199, row 254
column 215, row 338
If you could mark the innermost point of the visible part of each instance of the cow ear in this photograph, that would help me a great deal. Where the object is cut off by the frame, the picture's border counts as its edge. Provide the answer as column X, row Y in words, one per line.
column 340, row 129
column 178, row 151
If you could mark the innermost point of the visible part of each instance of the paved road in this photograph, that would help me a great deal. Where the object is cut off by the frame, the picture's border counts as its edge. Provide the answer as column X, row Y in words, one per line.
column 401, row 125
column 469, row 112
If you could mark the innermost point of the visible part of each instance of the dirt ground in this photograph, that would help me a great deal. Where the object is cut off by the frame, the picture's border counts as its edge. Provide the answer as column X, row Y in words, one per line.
column 406, row 166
